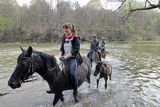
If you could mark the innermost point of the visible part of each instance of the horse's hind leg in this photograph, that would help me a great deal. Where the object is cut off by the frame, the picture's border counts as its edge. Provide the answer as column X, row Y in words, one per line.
column 56, row 98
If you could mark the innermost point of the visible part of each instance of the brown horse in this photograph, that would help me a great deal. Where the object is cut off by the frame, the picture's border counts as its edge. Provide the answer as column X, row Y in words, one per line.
column 94, row 56
column 103, row 52
column 30, row 62
column 105, row 71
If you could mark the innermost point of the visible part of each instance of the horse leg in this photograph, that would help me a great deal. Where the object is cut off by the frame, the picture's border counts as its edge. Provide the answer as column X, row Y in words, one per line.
column 106, row 78
column 98, row 81
column 62, row 98
column 91, row 62
column 88, row 77
column 56, row 98
column 110, row 76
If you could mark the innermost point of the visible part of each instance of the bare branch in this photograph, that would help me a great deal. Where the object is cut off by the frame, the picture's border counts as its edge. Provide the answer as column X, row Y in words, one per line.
column 120, row 6
column 103, row 8
column 152, row 6
column 150, row 3
column 145, row 8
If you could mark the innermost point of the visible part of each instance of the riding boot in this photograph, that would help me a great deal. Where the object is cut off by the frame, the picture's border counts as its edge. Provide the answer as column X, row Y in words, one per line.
column 75, row 86
column 75, row 93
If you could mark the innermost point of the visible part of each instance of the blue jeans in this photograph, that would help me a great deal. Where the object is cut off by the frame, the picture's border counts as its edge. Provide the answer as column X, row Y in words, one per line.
column 72, row 63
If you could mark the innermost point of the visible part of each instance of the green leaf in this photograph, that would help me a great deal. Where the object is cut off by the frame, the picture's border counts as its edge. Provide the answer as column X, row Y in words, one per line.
column 5, row 21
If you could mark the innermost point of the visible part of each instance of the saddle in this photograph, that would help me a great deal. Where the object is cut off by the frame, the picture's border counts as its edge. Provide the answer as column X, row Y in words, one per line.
column 65, row 67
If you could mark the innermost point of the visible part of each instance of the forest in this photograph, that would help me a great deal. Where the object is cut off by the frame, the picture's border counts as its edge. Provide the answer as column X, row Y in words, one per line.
column 42, row 22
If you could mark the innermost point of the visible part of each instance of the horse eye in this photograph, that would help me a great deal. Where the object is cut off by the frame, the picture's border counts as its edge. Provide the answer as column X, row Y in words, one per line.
column 23, row 62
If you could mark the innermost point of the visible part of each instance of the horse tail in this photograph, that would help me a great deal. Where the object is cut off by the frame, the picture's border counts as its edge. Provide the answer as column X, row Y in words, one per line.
column 87, row 63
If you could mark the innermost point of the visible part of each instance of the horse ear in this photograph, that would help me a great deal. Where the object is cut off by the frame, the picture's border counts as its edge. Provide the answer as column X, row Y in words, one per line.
column 29, row 51
column 22, row 49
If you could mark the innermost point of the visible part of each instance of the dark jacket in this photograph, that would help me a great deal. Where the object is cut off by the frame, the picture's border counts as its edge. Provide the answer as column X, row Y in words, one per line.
column 94, row 45
column 76, row 48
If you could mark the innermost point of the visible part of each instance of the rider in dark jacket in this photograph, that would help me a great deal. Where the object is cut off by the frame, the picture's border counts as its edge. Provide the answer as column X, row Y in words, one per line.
column 94, row 44
column 94, row 47
column 70, row 48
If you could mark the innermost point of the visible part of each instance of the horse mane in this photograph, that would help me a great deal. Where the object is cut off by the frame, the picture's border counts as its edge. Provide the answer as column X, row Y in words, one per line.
column 48, row 60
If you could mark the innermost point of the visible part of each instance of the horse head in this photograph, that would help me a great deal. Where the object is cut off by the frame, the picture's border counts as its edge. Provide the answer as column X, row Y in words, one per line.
column 23, row 68
column 98, row 68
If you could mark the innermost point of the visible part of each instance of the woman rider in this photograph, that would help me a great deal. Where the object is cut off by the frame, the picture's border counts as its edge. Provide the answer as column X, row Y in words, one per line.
column 70, row 48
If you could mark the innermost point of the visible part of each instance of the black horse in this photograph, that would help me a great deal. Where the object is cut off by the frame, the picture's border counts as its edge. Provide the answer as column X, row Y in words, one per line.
column 30, row 62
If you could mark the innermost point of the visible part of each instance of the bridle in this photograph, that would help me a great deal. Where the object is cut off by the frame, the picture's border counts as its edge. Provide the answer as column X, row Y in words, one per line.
column 54, row 68
column 29, row 71
column 57, row 66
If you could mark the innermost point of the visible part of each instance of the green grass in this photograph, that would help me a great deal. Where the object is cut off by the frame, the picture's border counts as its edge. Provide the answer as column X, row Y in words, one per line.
column 147, row 42
column 118, row 42
column 136, row 42
column 24, row 45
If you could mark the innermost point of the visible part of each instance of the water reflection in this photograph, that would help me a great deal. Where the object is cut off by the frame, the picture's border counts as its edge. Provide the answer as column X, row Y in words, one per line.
column 142, row 65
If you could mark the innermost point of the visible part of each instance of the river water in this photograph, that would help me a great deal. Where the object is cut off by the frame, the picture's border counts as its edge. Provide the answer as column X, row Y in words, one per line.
column 135, row 80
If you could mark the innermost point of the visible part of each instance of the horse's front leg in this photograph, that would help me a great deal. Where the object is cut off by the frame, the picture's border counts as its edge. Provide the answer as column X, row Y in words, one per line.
column 56, row 98
column 98, row 80
column 61, row 97
column 110, row 76
column 91, row 62
column 106, row 78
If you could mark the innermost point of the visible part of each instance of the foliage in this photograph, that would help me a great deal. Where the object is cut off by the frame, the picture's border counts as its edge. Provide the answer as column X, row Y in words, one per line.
column 41, row 22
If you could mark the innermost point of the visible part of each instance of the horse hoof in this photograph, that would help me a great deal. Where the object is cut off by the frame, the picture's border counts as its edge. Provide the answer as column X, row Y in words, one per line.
column 62, row 99
column 76, row 99
column 105, row 88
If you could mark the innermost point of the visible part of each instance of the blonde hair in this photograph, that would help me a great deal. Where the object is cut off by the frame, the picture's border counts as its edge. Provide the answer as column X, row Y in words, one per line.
column 71, row 26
